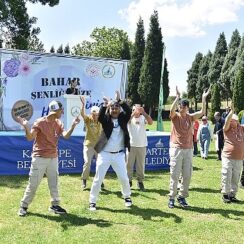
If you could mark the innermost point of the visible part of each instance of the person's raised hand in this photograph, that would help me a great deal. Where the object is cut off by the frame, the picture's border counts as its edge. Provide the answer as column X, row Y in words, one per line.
column 22, row 121
column 177, row 92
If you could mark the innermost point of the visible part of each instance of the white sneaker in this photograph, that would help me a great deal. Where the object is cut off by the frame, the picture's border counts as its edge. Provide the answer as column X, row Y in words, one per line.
column 92, row 207
column 22, row 212
column 128, row 202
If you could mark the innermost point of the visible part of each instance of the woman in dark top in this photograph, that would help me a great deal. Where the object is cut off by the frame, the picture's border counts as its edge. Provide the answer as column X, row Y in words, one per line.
column 72, row 89
column 218, row 131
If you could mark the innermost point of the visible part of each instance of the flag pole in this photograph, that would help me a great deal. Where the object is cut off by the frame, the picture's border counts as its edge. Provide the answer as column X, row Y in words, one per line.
column 161, row 96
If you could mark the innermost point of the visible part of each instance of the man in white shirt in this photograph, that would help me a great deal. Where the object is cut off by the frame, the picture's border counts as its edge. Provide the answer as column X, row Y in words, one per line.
column 111, row 147
column 138, row 143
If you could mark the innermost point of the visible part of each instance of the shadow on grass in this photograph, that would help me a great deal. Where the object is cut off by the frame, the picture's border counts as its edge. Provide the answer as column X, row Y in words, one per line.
column 224, row 212
column 146, row 213
column 14, row 181
column 135, row 192
column 204, row 190
column 196, row 168
column 68, row 219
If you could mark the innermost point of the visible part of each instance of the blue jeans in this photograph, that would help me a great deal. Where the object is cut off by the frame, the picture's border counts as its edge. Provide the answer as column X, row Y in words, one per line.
column 204, row 144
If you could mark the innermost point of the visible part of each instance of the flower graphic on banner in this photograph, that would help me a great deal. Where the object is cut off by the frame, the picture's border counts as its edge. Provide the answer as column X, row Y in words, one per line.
column 16, row 65
column 11, row 67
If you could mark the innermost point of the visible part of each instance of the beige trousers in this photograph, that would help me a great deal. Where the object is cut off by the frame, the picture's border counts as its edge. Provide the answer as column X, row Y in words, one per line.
column 88, row 154
column 180, row 164
column 39, row 167
column 231, row 173
column 136, row 156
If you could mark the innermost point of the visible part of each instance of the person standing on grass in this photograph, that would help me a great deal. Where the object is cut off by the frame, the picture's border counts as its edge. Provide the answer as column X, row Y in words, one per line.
column 204, row 136
column 181, row 144
column 219, row 135
column 93, row 131
column 195, row 130
column 45, row 132
column 138, row 142
column 241, row 118
column 114, row 116
column 232, row 156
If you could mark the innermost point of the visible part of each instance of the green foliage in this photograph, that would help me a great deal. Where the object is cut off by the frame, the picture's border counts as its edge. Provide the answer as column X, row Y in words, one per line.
column 107, row 43
column 52, row 50
column 237, row 64
column 67, row 49
column 34, row 44
column 240, row 115
column 215, row 101
column 136, row 63
column 17, row 26
column 217, row 59
column 149, row 84
column 165, row 82
column 60, row 49
column 203, row 82
column 229, row 62
column 238, row 89
column 193, row 78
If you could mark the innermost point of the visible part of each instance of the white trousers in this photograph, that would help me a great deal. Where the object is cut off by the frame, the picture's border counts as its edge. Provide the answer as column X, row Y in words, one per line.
column 231, row 173
column 39, row 167
column 117, row 161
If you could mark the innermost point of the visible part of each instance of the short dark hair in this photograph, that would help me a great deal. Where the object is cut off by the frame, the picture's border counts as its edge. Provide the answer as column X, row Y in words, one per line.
column 184, row 102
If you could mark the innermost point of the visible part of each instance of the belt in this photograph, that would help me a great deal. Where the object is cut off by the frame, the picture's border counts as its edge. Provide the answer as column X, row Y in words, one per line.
column 116, row 152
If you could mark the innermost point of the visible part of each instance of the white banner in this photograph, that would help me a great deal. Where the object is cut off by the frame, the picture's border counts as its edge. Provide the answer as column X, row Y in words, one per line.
column 29, row 81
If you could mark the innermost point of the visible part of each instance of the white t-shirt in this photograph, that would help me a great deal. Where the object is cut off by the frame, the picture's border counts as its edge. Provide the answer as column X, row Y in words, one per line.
column 137, row 132
column 116, row 141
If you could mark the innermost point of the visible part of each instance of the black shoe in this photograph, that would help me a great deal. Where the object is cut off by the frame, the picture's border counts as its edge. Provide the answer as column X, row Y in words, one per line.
column 22, row 212
column 102, row 186
column 57, row 210
column 171, row 203
column 130, row 182
column 182, row 202
column 234, row 199
column 141, row 186
column 226, row 198
column 83, row 184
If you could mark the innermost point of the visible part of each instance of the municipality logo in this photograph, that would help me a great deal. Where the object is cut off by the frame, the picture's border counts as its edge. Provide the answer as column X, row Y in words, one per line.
column 108, row 71
column 159, row 144
column 75, row 111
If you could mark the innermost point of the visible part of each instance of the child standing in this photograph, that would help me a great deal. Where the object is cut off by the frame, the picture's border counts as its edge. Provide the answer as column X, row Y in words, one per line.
column 204, row 136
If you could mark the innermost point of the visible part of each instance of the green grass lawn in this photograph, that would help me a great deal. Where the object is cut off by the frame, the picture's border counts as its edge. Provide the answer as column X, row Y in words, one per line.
column 166, row 126
column 208, row 220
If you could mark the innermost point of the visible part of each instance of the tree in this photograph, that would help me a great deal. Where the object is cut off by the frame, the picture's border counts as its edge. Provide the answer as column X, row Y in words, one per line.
column 52, row 49
column 136, row 63
column 203, row 81
column 34, row 44
column 107, row 42
column 193, row 78
column 60, row 49
column 215, row 101
column 238, row 86
column 67, row 49
column 215, row 68
column 229, row 62
column 16, row 24
column 149, row 85
column 235, row 68
column 165, row 82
